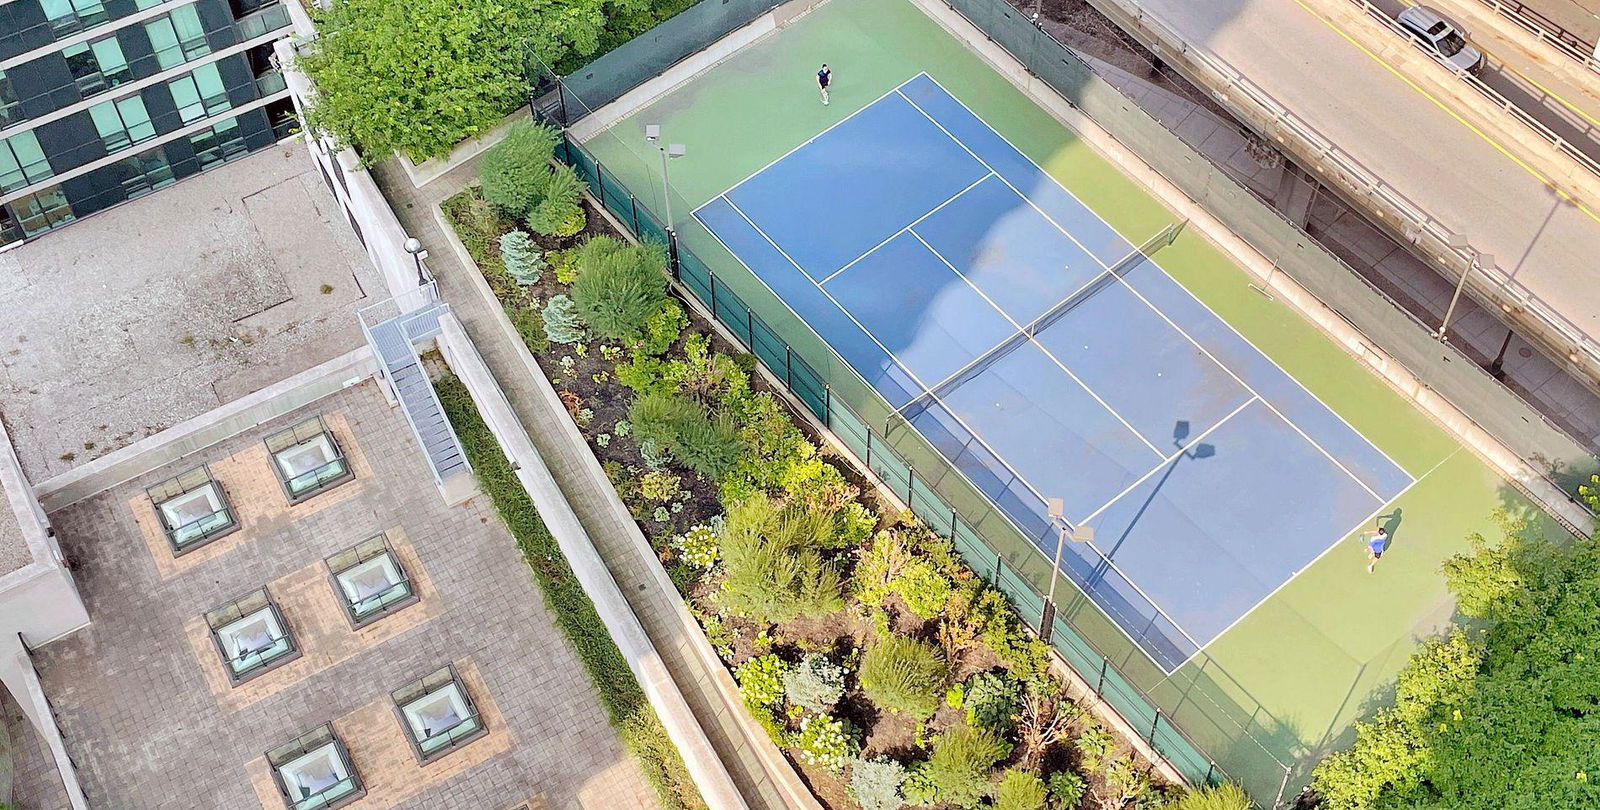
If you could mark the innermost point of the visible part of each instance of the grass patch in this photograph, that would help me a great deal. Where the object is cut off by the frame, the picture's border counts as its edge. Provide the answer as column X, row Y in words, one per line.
column 630, row 713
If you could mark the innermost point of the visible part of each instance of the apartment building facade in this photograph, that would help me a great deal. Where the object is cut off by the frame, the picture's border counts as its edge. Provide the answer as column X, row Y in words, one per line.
column 103, row 101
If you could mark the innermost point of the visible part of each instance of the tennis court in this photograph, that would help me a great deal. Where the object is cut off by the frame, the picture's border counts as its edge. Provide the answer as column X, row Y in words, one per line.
column 1046, row 356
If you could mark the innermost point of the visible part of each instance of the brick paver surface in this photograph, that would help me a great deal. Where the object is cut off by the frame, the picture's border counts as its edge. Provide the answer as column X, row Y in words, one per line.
column 610, row 532
column 152, row 723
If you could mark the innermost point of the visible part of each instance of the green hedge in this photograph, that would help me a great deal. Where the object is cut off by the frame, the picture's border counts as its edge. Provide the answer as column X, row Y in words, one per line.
column 620, row 693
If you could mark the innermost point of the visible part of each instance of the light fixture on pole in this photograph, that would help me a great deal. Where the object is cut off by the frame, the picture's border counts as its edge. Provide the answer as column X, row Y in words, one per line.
column 413, row 246
column 1475, row 261
column 1079, row 534
column 652, row 133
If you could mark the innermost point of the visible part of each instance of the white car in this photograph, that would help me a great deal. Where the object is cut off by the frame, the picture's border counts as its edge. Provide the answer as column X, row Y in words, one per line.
column 1442, row 38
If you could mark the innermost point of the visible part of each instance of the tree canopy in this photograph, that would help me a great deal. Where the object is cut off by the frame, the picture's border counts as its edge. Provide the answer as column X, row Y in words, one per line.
column 1502, row 713
column 419, row 76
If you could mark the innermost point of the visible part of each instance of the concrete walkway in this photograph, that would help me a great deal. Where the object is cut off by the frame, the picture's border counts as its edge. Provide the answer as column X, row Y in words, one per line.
column 591, row 496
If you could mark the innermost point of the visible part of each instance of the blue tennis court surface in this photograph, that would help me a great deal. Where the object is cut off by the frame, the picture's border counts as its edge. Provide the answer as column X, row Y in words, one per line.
column 1045, row 356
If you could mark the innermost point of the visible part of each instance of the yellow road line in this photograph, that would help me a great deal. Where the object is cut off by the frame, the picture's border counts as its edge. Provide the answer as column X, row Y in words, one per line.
column 1524, row 165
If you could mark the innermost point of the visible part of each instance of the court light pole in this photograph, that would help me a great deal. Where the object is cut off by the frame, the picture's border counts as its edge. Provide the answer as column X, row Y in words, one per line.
column 1475, row 261
column 652, row 133
column 1082, row 534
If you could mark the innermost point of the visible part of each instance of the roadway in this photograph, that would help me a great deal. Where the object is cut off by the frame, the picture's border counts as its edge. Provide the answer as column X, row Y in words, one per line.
column 1359, row 94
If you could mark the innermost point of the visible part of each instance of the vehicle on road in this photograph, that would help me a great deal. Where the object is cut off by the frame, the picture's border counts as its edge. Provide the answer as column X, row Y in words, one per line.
column 1441, row 37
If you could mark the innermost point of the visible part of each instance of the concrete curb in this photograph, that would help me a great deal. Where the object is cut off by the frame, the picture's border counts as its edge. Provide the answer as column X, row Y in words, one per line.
column 1391, row 371
column 704, row 766
column 775, row 764
column 215, row 425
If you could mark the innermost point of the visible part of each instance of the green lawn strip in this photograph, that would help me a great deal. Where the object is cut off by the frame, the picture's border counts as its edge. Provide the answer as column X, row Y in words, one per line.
column 624, row 701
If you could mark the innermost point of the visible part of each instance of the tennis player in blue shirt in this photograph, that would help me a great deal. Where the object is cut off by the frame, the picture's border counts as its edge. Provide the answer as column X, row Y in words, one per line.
column 1375, row 546
column 824, row 78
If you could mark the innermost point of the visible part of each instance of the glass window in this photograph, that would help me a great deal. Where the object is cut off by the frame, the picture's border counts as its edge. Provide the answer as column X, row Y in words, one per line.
column 22, row 162
column 122, row 123
column 314, row 772
column 437, row 713
column 40, row 212
column 268, row 17
column 219, row 144
column 177, row 37
column 250, row 635
column 10, row 110
column 142, row 174
column 97, row 66
column 73, row 15
column 193, row 509
column 371, row 581
column 199, row 94
column 307, row 459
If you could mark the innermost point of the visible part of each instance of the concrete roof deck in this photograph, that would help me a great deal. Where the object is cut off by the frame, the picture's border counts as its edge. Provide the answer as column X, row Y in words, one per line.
column 116, row 327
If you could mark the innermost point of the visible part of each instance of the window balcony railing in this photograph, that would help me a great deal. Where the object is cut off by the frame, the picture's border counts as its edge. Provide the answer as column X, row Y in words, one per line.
column 270, row 18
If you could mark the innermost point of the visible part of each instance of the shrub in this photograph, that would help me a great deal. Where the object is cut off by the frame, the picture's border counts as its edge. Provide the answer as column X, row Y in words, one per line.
column 524, row 263
column 561, row 322
column 709, row 446
column 816, row 683
column 826, row 741
column 559, row 210
column 774, row 571
column 529, row 325
column 663, row 328
column 1219, row 797
column 761, row 680
column 902, row 674
column 659, row 485
column 958, row 770
column 992, row 701
column 516, row 170
column 698, row 546
column 1126, row 782
column 1067, row 789
column 1094, row 745
column 875, row 784
column 619, row 286
column 1019, row 790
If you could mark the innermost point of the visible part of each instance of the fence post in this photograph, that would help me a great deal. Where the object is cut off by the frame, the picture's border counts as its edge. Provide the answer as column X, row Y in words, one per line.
column 633, row 208
column 1100, row 685
column 672, row 242
column 713, row 301
column 788, row 370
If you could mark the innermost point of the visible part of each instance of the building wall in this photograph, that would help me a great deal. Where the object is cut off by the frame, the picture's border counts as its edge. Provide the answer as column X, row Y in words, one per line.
column 114, row 99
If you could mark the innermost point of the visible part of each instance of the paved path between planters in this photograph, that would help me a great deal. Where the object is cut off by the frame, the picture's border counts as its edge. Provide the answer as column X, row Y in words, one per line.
column 589, row 496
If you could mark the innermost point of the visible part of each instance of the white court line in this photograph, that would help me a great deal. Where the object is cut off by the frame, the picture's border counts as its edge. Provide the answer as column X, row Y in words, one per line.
column 1166, row 461
column 1003, row 178
column 893, row 358
column 891, row 237
column 1040, row 346
column 1108, row 225
column 1386, row 505
column 807, row 142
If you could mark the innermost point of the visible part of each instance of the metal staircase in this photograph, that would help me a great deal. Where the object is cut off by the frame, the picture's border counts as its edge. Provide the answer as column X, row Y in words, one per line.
column 394, row 341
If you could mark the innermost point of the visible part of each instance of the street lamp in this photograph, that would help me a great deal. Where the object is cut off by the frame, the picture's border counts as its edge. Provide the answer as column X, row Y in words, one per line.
column 652, row 133
column 413, row 246
column 1080, row 534
column 1475, row 261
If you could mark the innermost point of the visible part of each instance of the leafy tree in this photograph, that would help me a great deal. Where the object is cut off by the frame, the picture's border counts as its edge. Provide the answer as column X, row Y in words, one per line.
column 875, row 784
column 958, row 770
column 1067, row 789
column 561, row 321
column 419, row 76
column 515, row 172
column 619, row 286
column 774, row 570
column 903, row 674
column 522, row 258
column 816, row 683
column 1019, row 790
column 1506, row 715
